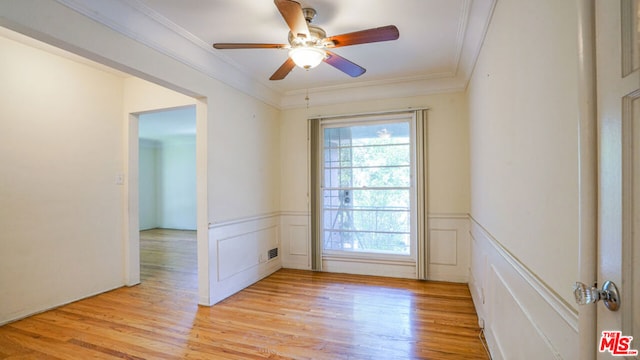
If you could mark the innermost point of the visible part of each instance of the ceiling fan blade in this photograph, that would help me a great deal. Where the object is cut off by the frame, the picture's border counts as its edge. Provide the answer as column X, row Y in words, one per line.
column 344, row 65
column 384, row 33
column 291, row 11
column 283, row 70
column 249, row 46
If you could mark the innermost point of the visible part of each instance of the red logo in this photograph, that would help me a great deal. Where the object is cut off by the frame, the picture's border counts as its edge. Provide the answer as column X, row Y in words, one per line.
column 617, row 344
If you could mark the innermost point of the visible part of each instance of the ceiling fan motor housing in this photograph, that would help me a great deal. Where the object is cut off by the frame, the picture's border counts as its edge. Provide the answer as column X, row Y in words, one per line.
column 317, row 38
column 318, row 35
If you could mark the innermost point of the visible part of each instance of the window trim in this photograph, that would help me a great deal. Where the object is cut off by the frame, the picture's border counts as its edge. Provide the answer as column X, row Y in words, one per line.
column 363, row 120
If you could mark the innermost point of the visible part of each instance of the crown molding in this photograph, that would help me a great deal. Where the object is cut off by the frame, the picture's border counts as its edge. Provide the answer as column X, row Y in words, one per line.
column 145, row 26
column 372, row 91
column 479, row 18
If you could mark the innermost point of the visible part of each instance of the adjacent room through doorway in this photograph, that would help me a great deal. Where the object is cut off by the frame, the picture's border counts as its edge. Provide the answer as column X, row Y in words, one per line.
column 167, row 194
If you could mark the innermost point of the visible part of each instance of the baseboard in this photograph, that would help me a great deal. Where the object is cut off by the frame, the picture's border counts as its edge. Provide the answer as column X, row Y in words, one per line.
column 18, row 317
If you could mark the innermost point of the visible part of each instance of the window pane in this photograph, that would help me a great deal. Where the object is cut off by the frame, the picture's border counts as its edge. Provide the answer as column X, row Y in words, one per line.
column 370, row 210
column 367, row 179
column 368, row 242
column 381, row 176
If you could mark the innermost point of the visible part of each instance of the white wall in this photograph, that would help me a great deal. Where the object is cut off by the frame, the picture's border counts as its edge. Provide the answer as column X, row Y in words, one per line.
column 168, row 183
column 448, row 179
column 245, row 185
column 524, row 179
column 148, row 183
column 244, row 149
column 177, row 183
column 61, row 149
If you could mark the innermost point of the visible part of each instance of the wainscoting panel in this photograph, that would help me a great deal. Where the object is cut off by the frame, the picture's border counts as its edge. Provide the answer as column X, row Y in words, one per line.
column 296, row 240
column 443, row 246
column 522, row 317
column 449, row 247
column 232, row 251
column 239, row 253
column 298, row 235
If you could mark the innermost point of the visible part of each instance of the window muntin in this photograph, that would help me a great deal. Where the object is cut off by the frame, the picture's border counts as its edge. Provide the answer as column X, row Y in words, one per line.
column 367, row 169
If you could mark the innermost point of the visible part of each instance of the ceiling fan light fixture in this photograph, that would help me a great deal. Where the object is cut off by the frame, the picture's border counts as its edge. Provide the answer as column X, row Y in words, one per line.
column 307, row 57
column 309, row 44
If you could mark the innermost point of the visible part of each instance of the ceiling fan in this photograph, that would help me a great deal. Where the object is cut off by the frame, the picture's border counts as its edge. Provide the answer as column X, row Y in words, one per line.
column 308, row 44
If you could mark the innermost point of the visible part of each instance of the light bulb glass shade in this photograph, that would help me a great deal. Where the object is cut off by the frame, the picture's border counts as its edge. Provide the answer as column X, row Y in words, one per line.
column 307, row 57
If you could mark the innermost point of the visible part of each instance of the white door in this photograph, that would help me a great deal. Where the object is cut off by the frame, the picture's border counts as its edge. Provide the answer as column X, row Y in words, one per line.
column 618, row 94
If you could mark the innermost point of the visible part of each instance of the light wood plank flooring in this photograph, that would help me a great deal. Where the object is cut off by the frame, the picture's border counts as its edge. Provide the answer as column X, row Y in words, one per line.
column 290, row 315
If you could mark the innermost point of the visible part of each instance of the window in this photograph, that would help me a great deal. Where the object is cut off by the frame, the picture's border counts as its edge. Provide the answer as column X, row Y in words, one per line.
column 367, row 169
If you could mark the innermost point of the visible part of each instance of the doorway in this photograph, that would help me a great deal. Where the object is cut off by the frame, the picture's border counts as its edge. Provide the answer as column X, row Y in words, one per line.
column 167, row 169
column 167, row 196
column 132, row 222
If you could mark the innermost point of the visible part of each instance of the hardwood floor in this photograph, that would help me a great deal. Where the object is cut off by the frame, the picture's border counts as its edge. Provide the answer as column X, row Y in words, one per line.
column 290, row 315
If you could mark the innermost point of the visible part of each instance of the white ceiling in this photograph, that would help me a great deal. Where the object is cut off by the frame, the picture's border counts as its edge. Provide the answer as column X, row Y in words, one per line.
column 439, row 39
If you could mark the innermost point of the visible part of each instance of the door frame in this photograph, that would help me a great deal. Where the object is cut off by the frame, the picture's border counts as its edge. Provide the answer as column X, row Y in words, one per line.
column 588, row 173
column 132, row 202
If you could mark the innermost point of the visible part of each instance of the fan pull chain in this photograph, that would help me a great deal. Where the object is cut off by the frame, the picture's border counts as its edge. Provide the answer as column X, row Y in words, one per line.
column 306, row 95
